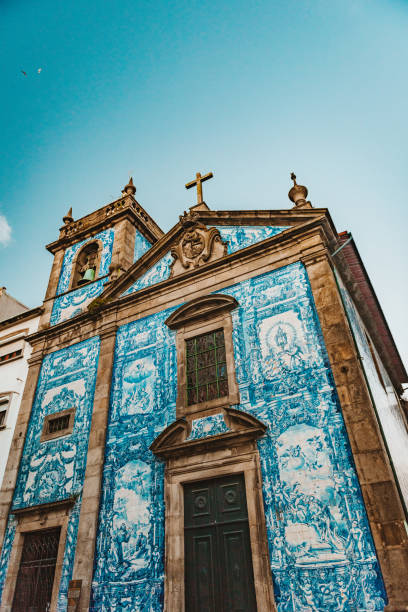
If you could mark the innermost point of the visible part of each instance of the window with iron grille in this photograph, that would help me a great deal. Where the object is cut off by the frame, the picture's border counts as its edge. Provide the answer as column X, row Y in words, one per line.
column 206, row 367
column 35, row 577
column 58, row 424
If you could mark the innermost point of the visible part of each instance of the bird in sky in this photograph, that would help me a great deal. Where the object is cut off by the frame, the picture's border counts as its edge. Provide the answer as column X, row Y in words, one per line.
column 39, row 70
column 25, row 74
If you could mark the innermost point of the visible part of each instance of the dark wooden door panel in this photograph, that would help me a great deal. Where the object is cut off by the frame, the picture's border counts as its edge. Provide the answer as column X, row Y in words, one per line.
column 218, row 560
column 200, row 571
column 199, row 505
column 231, row 500
column 237, row 569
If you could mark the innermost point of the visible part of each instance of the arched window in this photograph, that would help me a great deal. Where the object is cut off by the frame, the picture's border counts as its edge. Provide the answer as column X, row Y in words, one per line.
column 87, row 264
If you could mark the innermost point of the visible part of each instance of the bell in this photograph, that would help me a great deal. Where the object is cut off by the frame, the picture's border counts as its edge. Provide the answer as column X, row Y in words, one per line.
column 89, row 275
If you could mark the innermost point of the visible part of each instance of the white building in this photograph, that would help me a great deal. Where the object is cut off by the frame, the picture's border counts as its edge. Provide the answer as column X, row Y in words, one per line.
column 14, row 353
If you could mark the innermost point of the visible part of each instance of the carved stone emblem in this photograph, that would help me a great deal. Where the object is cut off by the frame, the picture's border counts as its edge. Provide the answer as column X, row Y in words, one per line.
column 197, row 245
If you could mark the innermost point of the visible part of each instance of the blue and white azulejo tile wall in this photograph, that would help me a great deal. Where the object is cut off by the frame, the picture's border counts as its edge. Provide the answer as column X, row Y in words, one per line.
column 73, row 303
column 129, row 569
column 157, row 273
column 54, row 470
column 242, row 236
column 321, row 550
column 141, row 246
column 237, row 236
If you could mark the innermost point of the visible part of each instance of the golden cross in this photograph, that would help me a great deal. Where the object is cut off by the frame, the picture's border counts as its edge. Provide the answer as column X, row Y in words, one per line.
column 198, row 181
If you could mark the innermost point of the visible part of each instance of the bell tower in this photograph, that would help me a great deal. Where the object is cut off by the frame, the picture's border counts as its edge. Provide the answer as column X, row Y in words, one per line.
column 94, row 250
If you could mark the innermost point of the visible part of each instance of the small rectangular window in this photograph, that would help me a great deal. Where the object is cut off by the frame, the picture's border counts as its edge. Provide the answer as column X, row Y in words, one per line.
column 58, row 424
column 206, row 367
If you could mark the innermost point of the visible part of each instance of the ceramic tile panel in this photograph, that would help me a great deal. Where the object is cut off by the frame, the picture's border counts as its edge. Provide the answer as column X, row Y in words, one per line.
column 321, row 550
column 237, row 236
column 157, row 273
column 208, row 426
column 54, row 470
column 241, row 236
column 141, row 246
column 129, row 558
column 73, row 303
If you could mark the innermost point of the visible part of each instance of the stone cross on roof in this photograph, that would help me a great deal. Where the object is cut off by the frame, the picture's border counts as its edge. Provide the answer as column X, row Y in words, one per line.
column 198, row 181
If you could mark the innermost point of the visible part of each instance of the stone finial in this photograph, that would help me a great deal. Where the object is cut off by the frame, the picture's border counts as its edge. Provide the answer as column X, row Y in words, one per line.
column 129, row 189
column 68, row 217
column 298, row 194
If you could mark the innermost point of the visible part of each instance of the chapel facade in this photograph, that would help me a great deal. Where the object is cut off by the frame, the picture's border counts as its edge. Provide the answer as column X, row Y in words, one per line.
column 211, row 421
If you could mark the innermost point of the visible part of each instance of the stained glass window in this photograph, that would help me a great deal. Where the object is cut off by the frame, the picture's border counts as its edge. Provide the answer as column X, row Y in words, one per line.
column 206, row 367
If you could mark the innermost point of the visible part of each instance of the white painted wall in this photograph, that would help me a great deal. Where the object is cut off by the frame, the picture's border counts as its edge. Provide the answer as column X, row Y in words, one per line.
column 13, row 376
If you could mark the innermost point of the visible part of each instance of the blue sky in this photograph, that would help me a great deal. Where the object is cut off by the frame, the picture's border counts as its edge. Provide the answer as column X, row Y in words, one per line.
column 249, row 90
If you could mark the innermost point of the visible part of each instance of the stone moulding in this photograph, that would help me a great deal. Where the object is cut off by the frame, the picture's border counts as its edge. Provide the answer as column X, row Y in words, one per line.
column 63, row 503
column 173, row 440
column 199, row 308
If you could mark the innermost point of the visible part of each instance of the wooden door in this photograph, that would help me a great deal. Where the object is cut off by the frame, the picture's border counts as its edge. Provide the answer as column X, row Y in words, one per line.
column 36, row 573
column 218, row 559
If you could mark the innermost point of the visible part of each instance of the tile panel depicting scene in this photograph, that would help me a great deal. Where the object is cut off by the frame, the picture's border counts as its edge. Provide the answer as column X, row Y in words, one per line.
column 129, row 559
column 321, row 550
column 53, row 470
column 73, row 303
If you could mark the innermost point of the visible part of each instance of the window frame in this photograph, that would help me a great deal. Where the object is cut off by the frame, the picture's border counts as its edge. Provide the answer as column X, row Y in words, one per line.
column 202, row 316
column 46, row 435
column 5, row 399
column 198, row 368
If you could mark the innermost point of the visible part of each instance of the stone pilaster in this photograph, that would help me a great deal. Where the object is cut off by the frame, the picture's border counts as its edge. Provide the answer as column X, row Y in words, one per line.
column 88, row 519
column 124, row 243
column 380, row 493
column 17, row 445
column 52, row 288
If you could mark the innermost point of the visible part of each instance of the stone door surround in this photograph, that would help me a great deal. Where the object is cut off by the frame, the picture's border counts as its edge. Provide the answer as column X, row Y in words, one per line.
column 233, row 452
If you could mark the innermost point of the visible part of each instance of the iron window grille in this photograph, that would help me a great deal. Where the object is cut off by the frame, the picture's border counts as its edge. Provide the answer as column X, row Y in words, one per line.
column 206, row 367
column 36, row 573
column 58, row 424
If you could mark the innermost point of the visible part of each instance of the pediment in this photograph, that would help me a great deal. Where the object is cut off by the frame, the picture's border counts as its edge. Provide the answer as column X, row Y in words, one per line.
column 233, row 230
column 200, row 308
column 239, row 425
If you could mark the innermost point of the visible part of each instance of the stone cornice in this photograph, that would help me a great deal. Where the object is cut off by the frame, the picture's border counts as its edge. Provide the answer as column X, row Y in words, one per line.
column 163, row 246
column 47, row 507
column 122, row 208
